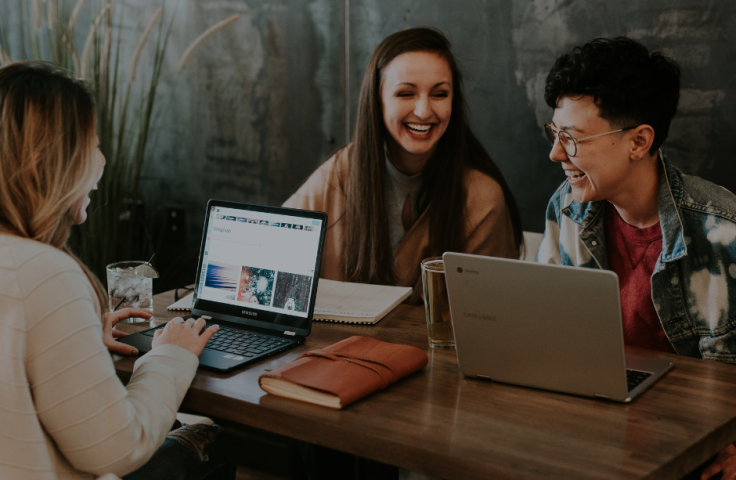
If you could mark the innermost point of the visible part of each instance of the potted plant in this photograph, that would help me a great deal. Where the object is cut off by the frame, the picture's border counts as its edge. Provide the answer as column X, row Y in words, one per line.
column 119, row 227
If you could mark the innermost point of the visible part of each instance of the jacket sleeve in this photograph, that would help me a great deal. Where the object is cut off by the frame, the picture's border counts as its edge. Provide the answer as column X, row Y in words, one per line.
column 314, row 192
column 489, row 230
column 549, row 249
column 98, row 424
column 488, row 227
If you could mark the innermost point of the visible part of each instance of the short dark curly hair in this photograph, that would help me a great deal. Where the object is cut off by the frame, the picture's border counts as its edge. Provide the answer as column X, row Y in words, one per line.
column 629, row 85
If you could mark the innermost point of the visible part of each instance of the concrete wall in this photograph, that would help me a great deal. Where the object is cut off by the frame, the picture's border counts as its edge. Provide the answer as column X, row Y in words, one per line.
column 508, row 46
column 263, row 103
column 257, row 108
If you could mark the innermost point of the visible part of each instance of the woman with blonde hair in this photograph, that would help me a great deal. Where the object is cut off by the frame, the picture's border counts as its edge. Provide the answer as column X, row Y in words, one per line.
column 415, row 181
column 63, row 411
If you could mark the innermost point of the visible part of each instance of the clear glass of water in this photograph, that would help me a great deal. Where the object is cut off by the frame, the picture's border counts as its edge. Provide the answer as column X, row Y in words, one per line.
column 129, row 289
column 437, row 304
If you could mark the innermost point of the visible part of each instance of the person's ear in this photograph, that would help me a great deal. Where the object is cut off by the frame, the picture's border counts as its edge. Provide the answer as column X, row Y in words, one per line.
column 642, row 138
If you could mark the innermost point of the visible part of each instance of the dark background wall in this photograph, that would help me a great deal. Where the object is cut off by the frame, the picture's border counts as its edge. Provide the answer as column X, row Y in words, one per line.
column 507, row 48
column 267, row 100
column 265, row 104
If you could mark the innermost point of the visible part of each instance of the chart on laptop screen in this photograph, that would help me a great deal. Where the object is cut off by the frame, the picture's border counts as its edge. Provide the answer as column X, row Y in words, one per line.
column 260, row 260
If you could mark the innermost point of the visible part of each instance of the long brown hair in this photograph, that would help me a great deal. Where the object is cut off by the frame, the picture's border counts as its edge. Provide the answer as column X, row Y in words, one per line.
column 47, row 125
column 368, row 256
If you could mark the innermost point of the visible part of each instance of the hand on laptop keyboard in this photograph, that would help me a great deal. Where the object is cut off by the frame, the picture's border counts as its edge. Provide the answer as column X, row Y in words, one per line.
column 189, row 334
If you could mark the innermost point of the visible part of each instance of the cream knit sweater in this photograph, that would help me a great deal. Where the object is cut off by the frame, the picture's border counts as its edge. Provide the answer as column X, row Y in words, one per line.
column 63, row 411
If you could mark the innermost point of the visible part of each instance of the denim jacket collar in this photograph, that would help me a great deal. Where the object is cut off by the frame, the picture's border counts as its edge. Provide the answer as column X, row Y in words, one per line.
column 590, row 216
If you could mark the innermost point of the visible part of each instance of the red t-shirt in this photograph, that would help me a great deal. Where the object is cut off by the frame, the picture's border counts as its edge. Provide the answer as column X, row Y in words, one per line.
column 632, row 254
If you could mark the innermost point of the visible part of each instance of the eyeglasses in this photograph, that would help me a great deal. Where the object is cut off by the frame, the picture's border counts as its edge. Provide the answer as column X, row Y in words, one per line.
column 568, row 142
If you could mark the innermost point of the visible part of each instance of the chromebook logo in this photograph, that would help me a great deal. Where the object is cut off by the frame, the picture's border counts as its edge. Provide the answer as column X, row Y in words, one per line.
column 480, row 316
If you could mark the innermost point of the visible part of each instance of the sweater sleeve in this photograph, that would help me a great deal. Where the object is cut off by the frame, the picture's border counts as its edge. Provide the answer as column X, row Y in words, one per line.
column 97, row 424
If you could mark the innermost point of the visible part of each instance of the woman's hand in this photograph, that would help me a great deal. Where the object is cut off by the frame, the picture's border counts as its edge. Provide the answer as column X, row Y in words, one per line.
column 109, row 335
column 188, row 334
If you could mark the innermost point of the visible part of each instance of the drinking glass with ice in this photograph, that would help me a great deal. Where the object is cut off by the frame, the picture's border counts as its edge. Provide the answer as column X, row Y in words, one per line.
column 130, row 285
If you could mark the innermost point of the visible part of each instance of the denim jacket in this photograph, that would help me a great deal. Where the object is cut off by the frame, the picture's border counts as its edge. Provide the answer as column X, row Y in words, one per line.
column 694, row 280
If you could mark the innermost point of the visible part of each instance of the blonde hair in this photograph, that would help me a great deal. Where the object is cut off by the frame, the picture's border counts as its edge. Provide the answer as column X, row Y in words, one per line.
column 47, row 125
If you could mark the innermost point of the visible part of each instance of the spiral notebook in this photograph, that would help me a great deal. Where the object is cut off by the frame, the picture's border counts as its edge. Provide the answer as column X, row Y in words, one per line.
column 360, row 303
column 343, row 302
column 184, row 303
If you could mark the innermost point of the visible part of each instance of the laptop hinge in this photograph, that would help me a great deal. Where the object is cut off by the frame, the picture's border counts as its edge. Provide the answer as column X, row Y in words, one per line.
column 602, row 396
column 289, row 333
column 483, row 376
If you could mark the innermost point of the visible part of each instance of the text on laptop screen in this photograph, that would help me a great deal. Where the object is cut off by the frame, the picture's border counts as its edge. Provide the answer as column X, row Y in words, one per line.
column 264, row 261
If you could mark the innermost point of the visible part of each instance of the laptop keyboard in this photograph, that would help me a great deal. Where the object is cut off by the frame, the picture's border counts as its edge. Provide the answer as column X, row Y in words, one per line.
column 635, row 377
column 244, row 343
column 239, row 342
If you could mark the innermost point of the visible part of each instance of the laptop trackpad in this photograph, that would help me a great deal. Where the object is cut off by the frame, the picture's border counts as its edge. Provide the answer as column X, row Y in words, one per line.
column 213, row 359
column 207, row 357
column 141, row 342
column 647, row 364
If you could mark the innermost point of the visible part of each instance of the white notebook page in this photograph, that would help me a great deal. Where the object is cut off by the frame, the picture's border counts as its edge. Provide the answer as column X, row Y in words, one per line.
column 355, row 299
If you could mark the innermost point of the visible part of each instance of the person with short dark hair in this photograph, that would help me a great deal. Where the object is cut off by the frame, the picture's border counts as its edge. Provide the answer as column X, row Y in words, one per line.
column 670, row 237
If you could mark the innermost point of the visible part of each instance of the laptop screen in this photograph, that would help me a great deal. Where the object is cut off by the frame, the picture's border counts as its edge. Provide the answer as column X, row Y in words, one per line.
column 258, row 263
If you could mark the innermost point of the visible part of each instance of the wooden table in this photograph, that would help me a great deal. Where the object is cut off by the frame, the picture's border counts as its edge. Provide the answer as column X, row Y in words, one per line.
column 440, row 423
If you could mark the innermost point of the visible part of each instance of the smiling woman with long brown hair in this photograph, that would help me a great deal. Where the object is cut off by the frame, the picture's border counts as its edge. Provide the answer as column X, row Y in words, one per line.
column 415, row 182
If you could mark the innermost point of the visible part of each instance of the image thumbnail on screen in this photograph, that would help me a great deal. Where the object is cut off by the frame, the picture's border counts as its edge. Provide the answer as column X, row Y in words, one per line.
column 256, row 285
column 292, row 291
column 222, row 277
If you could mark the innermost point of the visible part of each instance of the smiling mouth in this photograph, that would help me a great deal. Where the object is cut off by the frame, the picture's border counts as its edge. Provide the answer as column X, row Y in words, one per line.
column 574, row 176
column 419, row 129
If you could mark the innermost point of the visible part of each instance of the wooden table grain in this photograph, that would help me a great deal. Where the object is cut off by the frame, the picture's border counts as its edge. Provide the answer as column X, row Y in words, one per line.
column 440, row 423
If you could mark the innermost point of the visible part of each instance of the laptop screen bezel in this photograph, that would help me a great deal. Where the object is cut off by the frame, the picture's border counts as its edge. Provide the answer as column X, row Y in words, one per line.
column 234, row 313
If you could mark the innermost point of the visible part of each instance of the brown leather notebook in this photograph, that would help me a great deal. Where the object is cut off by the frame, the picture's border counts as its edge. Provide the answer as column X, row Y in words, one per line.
column 340, row 374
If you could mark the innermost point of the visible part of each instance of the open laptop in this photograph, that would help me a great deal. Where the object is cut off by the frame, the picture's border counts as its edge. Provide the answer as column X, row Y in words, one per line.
column 257, row 279
column 544, row 326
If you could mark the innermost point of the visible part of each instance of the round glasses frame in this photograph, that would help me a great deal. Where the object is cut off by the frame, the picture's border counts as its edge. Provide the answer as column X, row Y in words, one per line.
column 568, row 142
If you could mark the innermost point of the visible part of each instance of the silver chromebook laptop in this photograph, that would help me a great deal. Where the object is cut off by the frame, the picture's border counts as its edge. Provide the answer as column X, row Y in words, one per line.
column 544, row 326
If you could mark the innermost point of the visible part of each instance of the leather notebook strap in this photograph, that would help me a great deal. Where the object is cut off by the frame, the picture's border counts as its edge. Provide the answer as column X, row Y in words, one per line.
column 387, row 376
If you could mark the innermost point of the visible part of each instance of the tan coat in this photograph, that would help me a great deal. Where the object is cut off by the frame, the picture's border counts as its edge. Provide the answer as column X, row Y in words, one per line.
column 488, row 223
